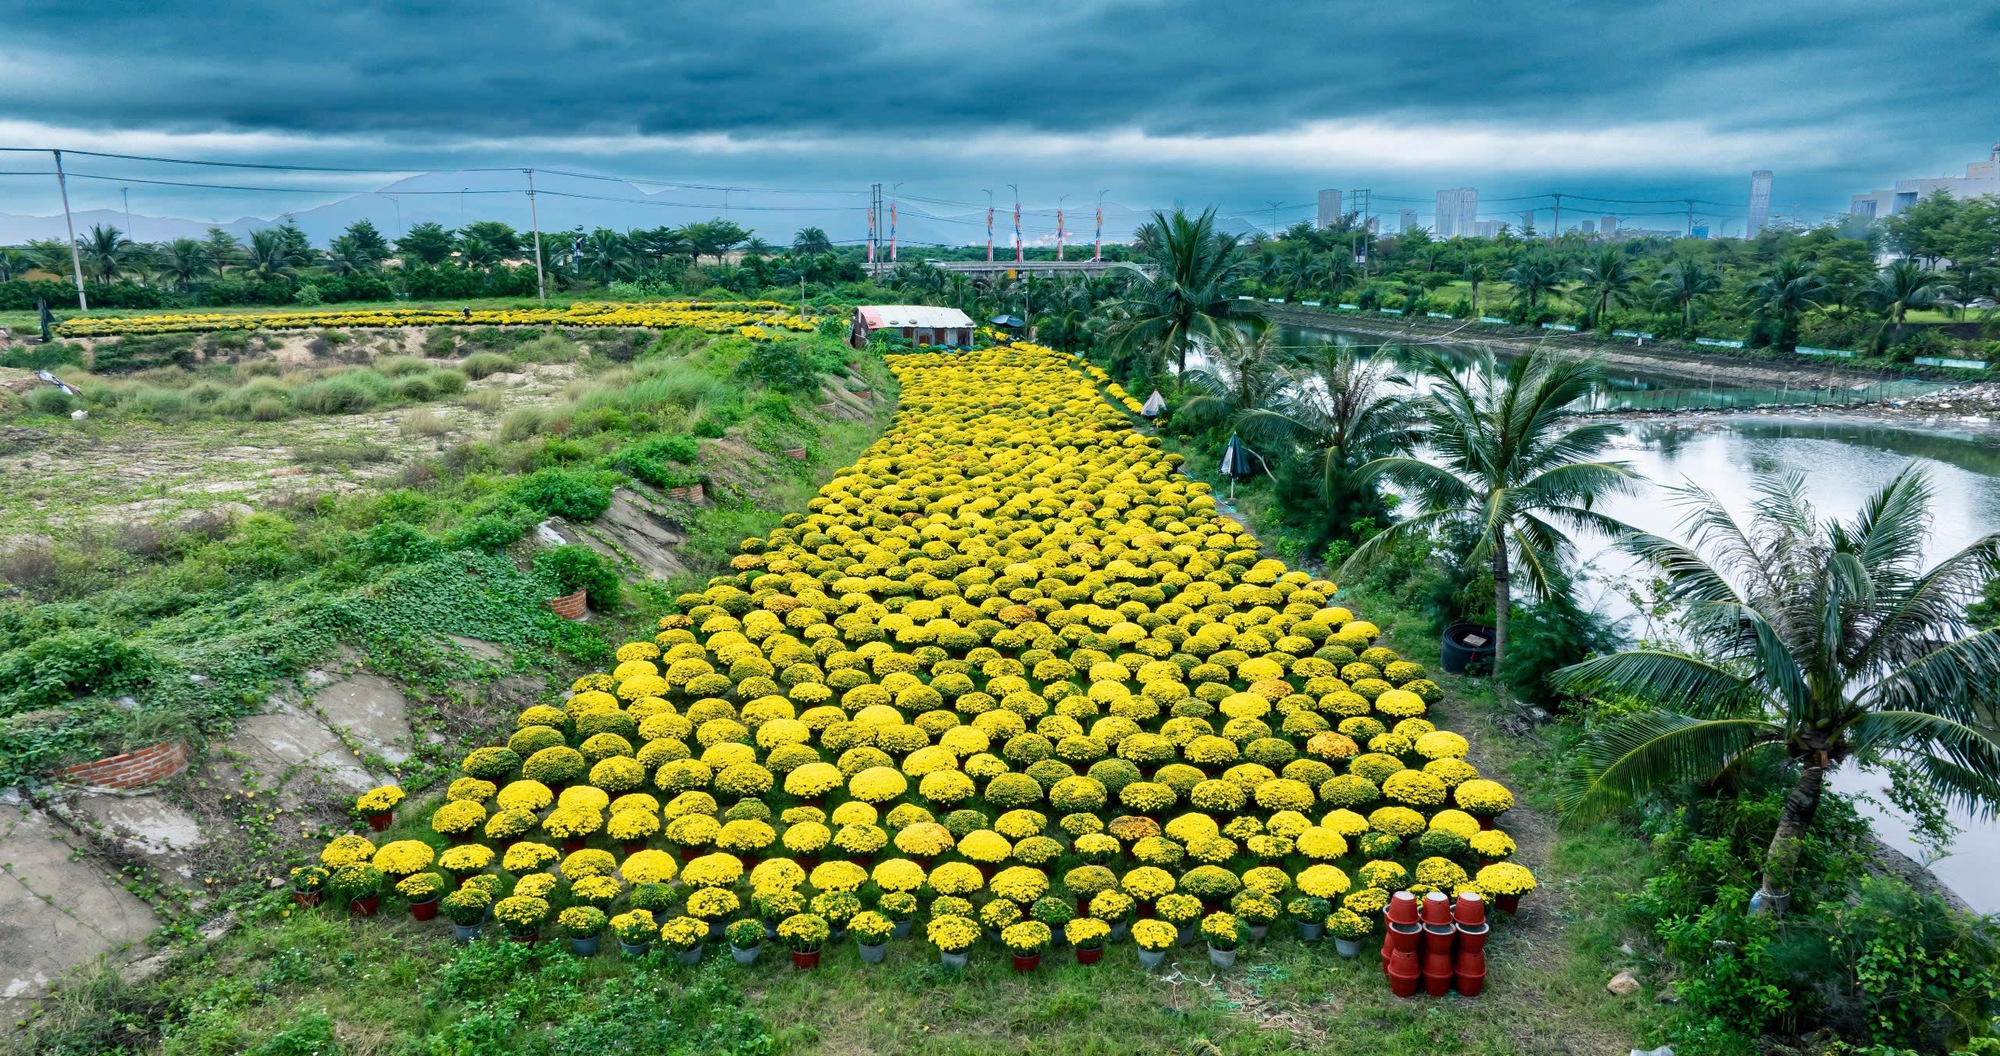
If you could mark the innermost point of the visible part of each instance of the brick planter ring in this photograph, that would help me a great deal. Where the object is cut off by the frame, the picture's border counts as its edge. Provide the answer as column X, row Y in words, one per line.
column 135, row 769
column 570, row 606
column 690, row 493
column 796, row 454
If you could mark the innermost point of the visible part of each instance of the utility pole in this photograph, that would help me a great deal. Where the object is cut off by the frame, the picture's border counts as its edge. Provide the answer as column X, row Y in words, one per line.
column 989, row 227
column 1059, row 227
column 126, row 194
column 534, row 221
column 1556, row 225
column 1274, row 216
column 874, row 210
column 1689, row 202
column 75, row 257
column 892, row 223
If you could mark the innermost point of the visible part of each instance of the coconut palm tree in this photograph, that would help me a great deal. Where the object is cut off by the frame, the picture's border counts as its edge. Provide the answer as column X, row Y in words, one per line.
column 1337, row 413
column 1785, row 294
column 1242, row 374
column 183, row 260
column 811, row 242
column 15, row 263
column 1186, row 300
column 1609, row 279
column 1685, row 281
column 106, row 252
column 1533, row 277
column 1508, row 460
column 1477, row 272
column 1901, row 286
column 1812, row 642
column 270, row 256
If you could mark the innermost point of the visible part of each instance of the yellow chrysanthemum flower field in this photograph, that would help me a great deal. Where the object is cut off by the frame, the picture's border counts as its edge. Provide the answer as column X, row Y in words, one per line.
column 1011, row 654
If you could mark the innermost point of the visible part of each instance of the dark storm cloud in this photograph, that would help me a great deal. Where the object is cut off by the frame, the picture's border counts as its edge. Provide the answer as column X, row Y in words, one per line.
column 417, row 81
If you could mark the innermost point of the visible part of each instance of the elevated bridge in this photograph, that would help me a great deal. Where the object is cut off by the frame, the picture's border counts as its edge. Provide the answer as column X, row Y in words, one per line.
column 1007, row 269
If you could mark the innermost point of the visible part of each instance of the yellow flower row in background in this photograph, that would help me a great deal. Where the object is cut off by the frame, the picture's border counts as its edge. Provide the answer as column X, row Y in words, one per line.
column 752, row 318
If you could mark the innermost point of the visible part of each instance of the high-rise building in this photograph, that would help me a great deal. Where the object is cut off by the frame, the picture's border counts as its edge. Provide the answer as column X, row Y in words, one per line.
column 1607, row 226
column 1485, row 228
column 1329, row 209
column 1527, row 222
column 1457, row 211
column 1408, row 221
column 1760, row 201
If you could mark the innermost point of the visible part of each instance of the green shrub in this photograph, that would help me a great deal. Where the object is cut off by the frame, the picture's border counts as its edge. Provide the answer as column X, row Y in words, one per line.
column 558, row 493
column 490, row 531
column 783, row 365
column 73, row 663
column 42, row 357
column 440, row 342
column 398, row 543
column 51, row 401
column 484, row 364
column 648, row 461
column 569, row 569
column 340, row 394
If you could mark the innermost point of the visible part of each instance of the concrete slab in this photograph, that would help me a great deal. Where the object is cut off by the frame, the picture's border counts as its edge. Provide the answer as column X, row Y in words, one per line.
column 59, row 912
column 371, row 710
column 147, row 825
column 296, row 754
column 480, row 650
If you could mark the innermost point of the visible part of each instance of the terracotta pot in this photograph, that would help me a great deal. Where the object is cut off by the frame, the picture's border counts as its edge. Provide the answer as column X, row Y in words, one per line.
column 365, row 907
column 1437, row 985
column 1402, row 908
column 1027, row 964
column 1471, row 985
column 1469, row 909
column 1437, row 908
column 1507, row 903
column 526, row 939
column 380, row 820
column 1084, row 956
column 805, row 961
column 424, row 910
column 306, row 898
column 1403, row 985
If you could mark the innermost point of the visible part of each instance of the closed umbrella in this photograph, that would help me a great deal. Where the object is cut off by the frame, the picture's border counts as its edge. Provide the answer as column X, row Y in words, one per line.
column 1236, row 460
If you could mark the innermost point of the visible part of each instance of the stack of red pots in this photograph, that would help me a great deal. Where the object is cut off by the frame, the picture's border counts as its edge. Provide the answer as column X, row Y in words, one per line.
column 1399, row 946
column 1469, row 918
column 1437, row 943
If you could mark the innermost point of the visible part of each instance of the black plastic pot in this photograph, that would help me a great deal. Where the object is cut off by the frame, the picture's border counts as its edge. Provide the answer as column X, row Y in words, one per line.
column 1466, row 647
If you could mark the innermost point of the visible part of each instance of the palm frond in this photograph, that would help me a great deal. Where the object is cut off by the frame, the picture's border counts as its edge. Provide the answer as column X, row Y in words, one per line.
column 1653, row 750
column 1674, row 681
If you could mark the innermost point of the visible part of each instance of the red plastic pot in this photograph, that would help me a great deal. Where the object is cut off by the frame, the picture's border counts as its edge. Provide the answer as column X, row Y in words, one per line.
column 1400, row 940
column 1402, row 962
column 572, row 846
column 749, row 861
column 986, row 869
column 306, row 898
column 1145, row 911
column 1402, row 908
column 424, row 910
column 1437, row 985
column 1470, row 985
column 1437, row 937
column 1438, row 963
column 1027, row 964
column 1437, row 908
column 804, row 961
column 1082, row 906
column 1084, row 956
column 461, row 837
column 380, row 820
column 1403, row 985
column 866, row 860
column 365, row 907
column 633, row 847
column 1473, row 940
column 1507, row 903
column 1485, row 824
column 1475, row 963
column 808, row 862
column 526, row 939
column 1469, row 909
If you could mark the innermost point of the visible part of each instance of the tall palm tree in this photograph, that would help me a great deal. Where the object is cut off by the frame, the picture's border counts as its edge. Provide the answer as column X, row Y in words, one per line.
column 1242, row 375
column 270, row 256
column 1477, row 272
column 606, row 255
column 1685, row 281
column 1186, row 300
column 1785, row 294
column 183, row 260
column 15, row 263
column 1338, row 412
column 1533, row 277
column 811, row 241
column 1508, row 459
column 1609, row 279
column 106, row 251
column 1901, row 286
column 1813, row 642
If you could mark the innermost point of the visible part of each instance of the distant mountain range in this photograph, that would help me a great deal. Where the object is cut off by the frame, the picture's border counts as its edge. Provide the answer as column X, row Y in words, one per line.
column 566, row 202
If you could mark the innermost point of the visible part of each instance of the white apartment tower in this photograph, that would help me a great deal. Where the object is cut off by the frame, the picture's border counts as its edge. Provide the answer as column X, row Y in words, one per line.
column 1760, row 201
column 1457, row 212
column 1329, row 209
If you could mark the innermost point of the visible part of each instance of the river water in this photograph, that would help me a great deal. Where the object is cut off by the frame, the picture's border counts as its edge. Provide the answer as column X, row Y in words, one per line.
column 1843, row 461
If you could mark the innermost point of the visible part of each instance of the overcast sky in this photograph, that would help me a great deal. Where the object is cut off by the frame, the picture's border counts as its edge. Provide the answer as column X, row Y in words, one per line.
column 1157, row 101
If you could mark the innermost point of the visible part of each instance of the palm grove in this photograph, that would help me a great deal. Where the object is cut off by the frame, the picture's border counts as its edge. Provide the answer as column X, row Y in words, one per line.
column 1801, row 642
